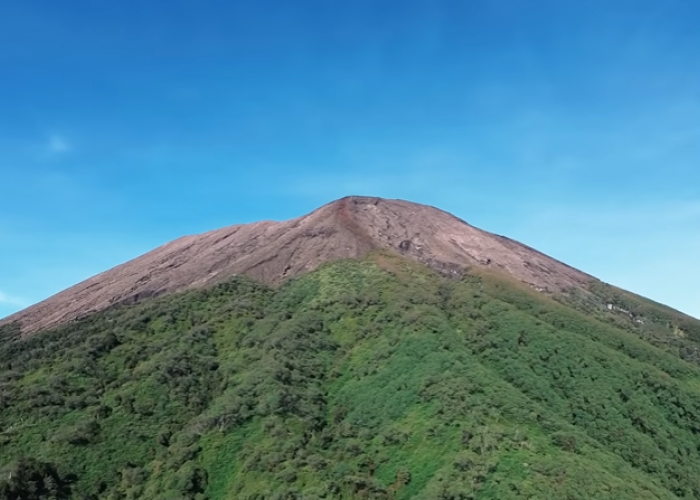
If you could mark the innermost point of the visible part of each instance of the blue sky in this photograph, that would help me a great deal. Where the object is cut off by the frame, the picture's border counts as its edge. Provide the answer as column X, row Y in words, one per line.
column 573, row 127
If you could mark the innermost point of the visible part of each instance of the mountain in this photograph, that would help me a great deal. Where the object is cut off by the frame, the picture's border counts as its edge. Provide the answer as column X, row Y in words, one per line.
column 274, row 251
column 373, row 349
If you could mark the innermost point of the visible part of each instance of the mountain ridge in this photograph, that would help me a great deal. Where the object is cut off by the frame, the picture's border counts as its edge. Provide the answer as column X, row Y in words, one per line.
column 271, row 252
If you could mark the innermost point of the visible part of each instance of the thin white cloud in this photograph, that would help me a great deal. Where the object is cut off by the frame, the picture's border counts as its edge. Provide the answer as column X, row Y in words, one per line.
column 616, row 216
column 10, row 300
column 58, row 144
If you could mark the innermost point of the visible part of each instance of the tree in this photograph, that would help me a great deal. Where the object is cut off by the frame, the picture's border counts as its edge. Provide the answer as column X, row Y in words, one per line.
column 30, row 479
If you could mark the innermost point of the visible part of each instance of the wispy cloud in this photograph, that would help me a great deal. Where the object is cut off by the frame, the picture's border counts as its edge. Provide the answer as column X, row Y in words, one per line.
column 58, row 144
column 614, row 216
column 11, row 301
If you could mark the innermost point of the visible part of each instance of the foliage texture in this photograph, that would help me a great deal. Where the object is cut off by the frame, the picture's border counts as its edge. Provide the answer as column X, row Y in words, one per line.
column 373, row 379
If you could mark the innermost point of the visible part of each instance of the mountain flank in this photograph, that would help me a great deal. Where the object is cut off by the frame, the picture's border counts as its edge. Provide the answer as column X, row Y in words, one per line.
column 366, row 379
column 371, row 350
column 271, row 252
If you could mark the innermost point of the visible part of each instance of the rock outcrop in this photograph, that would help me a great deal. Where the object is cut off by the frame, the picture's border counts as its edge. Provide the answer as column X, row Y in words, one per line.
column 274, row 251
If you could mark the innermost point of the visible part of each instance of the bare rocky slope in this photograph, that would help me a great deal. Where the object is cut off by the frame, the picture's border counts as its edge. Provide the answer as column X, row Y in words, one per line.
column 273, row 251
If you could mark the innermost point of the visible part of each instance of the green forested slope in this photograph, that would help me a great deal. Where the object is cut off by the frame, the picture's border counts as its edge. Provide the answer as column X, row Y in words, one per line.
column 365, row 379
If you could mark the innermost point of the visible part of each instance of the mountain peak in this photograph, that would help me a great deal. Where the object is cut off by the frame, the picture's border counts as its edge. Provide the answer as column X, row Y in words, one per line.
column 274, row 251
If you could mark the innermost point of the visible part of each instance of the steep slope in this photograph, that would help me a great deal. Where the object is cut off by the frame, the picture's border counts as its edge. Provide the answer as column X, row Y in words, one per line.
column 273, row 251
column 371, row 378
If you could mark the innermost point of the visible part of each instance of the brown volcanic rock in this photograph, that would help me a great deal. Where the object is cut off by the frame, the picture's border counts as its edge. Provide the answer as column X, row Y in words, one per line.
column 272, row 251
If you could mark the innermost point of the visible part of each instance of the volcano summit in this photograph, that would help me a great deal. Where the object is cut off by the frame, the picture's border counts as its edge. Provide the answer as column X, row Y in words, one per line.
column 274, row 251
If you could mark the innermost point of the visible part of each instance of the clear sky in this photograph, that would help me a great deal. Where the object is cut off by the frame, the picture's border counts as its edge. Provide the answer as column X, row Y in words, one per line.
column 572, row 126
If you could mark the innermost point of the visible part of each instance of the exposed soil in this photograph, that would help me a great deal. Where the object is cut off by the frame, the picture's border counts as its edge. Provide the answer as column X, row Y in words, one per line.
column 273, row 251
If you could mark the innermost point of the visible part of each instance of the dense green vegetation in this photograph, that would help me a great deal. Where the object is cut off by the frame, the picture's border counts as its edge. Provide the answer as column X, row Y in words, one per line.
column 371, row 379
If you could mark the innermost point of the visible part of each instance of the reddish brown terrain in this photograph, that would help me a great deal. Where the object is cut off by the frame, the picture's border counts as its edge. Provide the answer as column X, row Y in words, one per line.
column 273, row 251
